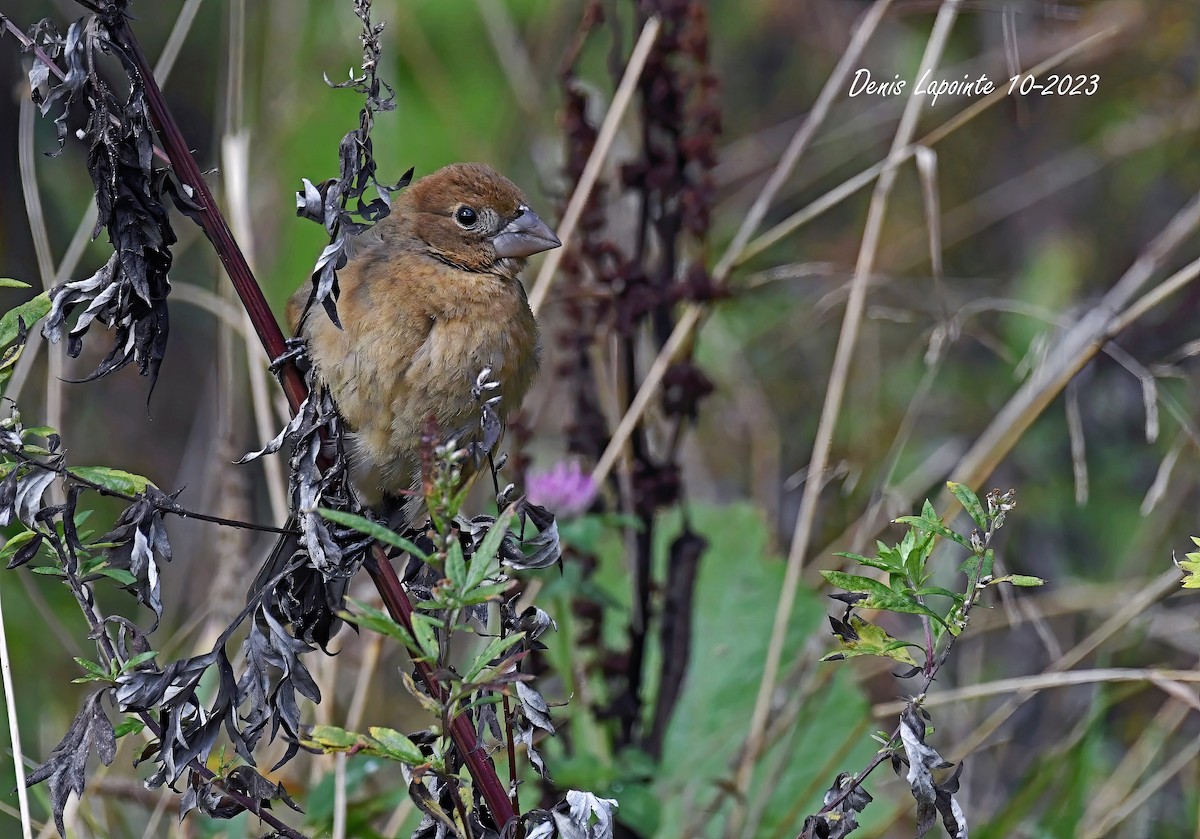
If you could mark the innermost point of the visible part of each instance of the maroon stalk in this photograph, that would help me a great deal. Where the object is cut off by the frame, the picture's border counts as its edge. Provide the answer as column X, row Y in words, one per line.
column 382, row 574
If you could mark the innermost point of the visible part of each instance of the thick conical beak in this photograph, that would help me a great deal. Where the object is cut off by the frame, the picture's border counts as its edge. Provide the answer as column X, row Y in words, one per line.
column 524, row 236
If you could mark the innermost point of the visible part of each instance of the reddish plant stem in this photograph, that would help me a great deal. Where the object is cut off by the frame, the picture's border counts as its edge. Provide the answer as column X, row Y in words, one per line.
column 382, row 574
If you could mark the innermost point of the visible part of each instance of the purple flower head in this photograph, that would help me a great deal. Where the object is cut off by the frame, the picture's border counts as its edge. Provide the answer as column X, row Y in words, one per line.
column 565, row 489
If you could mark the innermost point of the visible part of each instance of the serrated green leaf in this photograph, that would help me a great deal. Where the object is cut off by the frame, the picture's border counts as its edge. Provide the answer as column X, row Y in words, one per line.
column 117, row 480
column 491, row 651
column 31, row 311
column 872, row 640
column 970, row 503
column 373, row 529
column 878, row 595
column 934, row 526
column 395, row 746
column 873, row 562
column 92, row 667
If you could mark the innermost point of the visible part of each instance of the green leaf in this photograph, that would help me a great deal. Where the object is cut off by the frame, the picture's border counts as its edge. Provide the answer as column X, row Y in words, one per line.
column 422, row 627
column 93, row 668
column 140, row 658
column 491, row 651
column 1189, row 565
column 1023, row 580
column 9, row 282
column 330, row 738
column 31, row 311
column 42, row 431
column 872, row 640
column 970, row 502
column 48, row 570
column 937, row 591
column 376, row 620
column 116, row 480
column 129, row 725
column 873, row 562
column 119, row 574
column 373, row 529
column 15, row 544
column 935, row 526
column 483, row 563
column 878, row 595
column 395, row 746
column 456, row 565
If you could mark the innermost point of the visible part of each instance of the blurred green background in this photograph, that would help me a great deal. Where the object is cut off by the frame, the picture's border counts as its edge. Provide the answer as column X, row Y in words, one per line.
column 1044, row 202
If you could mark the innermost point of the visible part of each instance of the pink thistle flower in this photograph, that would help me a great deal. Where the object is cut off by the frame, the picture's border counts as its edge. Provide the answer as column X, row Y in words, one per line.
column 565, row 489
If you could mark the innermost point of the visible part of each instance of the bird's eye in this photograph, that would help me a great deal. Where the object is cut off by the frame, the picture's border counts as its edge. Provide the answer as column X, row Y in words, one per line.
column 465, row 216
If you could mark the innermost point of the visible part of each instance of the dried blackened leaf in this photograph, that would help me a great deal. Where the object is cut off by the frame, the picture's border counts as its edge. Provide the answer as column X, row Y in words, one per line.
column 65, row 768
column 933, row 785
column 140, row 542
column 544, row 549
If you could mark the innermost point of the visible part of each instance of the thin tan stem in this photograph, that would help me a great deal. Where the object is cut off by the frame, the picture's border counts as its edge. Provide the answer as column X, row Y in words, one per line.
column 595, row 161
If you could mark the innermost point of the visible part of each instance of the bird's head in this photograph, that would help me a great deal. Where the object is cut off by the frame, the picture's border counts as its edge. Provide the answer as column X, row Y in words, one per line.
column 472, row 217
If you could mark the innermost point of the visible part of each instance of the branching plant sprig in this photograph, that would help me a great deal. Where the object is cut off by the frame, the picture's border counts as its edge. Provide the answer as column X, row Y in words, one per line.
column 460, row 568
column 907, row 591
column 329, row 202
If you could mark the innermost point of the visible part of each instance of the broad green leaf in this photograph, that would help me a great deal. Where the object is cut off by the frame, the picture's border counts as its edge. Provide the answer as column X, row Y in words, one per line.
column 9, row 282
column 873, row 562
column 116, row 480
column 373, row 529
column 394, row 745
column 935, row 526
column 31, row 311
column 494, row 649
column 879, row 596
column 970, row 502
column 129, row 725
column 872, row 640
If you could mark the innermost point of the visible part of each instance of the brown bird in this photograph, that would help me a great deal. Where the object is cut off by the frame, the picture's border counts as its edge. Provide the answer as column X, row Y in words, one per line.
column 430, row 298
